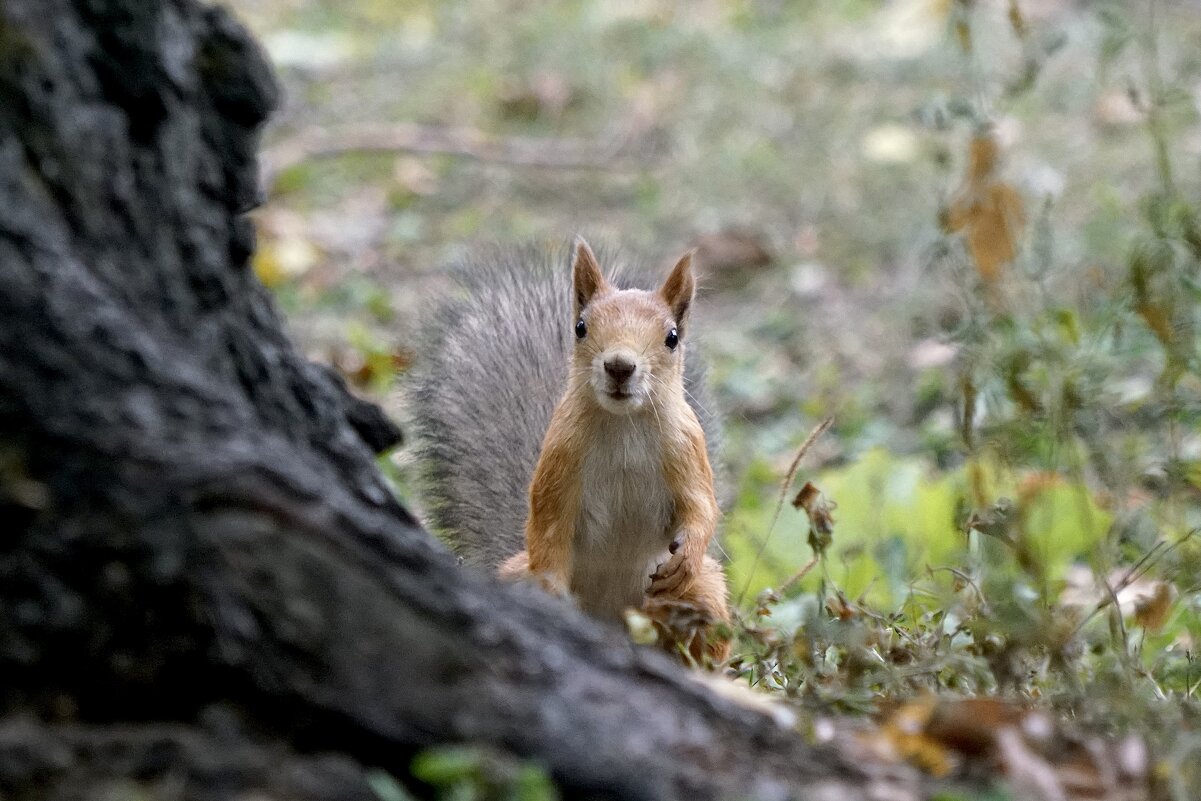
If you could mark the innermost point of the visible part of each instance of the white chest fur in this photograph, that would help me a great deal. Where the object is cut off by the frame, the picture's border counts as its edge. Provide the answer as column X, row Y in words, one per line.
column 622, row 530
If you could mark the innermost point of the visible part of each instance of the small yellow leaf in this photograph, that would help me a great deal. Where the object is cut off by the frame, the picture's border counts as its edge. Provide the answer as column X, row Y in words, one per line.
column 281, row 258
column 267, row 267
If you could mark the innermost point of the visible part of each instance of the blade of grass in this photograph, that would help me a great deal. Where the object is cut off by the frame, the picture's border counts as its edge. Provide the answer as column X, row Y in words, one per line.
column 814, row 435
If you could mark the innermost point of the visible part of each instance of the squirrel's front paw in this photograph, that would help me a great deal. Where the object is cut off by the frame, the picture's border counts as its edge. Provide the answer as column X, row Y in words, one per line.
column 675, row 575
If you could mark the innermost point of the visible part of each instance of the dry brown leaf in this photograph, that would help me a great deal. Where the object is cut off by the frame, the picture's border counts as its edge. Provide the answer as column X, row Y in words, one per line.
column 821, row 516
column 988, row 211
column 1159, row 320
column 1033, row 484
column 1151, row 613
column 904, row 734
column 819, row 510
column 1042, row 761
column 1017, row 20
column 838, row 606
column 970, row 725
column 983, row 156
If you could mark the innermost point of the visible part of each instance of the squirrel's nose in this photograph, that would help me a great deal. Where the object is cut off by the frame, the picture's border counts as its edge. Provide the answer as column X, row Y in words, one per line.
column 619, row 370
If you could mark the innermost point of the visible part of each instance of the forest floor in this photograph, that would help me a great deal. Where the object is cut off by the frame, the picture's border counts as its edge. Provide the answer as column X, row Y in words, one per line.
column 833, row 164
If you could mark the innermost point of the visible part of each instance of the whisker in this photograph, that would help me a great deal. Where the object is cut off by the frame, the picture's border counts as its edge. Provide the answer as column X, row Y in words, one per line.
column 697, row 403
column 716, row 542
column 650, row 396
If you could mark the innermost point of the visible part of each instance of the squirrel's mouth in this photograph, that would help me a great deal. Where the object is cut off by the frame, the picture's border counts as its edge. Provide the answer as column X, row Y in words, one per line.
column 619, row 397
column 619, row 401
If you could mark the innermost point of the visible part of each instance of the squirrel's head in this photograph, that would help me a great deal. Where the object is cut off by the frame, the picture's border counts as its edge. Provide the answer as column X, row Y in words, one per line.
column 629, row 343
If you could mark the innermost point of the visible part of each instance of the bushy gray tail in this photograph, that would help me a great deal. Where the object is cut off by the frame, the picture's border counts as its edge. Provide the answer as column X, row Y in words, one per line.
column 492, row 366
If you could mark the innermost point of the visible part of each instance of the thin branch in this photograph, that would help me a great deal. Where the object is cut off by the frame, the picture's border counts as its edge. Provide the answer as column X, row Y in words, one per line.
column 322, row 143
column 800, row 574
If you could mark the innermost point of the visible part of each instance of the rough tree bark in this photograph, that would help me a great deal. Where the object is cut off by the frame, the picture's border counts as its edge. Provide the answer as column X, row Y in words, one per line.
column 206, row 588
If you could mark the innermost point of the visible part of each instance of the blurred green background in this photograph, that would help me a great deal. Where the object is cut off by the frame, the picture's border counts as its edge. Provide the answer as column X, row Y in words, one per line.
column 1007, row 345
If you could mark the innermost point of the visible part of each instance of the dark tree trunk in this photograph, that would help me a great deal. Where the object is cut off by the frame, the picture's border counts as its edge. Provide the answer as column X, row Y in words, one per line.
column 206, row 588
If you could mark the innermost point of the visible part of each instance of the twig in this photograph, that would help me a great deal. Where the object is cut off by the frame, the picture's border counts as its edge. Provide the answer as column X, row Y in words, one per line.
column 1112, row 598
column 800, row 574
column 967, row 580
column 820, row 429
column 320, row 143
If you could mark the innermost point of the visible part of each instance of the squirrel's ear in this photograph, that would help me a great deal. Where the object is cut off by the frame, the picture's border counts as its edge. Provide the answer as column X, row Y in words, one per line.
column 586, row 276
column 678, row 289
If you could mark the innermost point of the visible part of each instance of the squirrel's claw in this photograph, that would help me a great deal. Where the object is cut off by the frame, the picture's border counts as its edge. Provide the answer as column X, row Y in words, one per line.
column 673, row 575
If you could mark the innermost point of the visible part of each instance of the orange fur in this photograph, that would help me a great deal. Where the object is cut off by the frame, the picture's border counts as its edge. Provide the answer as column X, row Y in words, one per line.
column 554, row 505
column 623, row 470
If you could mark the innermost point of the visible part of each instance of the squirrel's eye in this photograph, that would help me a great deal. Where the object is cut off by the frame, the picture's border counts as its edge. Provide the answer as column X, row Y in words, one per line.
column 672, row 340
column 581, row 330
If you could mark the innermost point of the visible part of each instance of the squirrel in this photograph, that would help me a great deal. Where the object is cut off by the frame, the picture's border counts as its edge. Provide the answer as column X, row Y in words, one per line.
column 602, row 491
